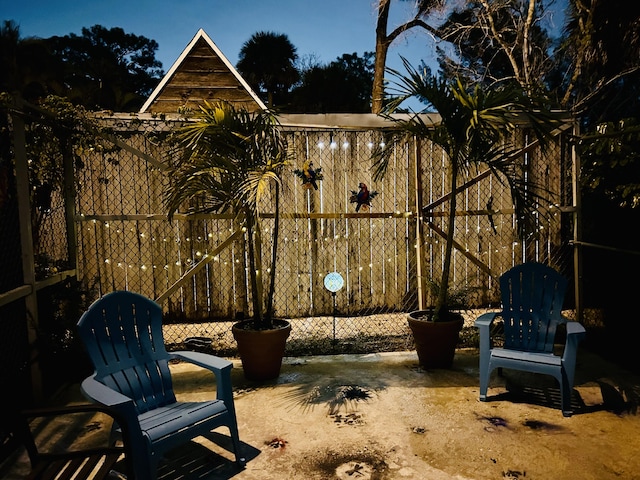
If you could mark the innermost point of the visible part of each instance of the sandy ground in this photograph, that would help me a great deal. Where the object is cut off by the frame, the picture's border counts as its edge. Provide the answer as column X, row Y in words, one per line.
column 381, row 416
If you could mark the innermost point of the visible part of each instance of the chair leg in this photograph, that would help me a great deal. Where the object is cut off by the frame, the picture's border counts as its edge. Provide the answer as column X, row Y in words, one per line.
column 155, row 464
column 484, row 383
column 237, row 449
column 483, row 391
column 566, row 390
column 147, row 470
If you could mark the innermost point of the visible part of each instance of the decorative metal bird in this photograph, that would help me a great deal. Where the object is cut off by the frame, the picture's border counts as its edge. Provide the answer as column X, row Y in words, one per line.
column 309, row 175
column 362, row 198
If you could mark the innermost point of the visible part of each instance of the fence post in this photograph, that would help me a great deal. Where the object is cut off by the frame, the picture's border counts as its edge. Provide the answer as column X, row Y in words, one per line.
column 577, row 225
column 70, row 203
column 419, row 223
column 26, row 240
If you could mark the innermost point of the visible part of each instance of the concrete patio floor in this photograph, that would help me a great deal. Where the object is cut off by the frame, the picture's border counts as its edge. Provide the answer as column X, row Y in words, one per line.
column 381, row 416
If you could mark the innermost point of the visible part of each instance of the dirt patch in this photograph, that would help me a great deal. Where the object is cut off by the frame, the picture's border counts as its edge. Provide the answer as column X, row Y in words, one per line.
column 357, row 465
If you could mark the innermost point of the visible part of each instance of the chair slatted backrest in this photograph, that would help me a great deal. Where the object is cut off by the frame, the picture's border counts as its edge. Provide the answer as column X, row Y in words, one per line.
column 532, row 298
column 122, row 332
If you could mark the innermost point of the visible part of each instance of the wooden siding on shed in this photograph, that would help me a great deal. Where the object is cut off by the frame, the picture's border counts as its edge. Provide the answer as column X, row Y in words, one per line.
column 202, row 72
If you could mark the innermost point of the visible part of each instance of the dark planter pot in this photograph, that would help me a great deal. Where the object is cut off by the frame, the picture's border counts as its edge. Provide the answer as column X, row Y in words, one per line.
column 261, row 351
column 435, row 341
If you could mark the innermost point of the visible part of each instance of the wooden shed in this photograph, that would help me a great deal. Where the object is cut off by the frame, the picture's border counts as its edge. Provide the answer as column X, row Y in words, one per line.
column 202, row 72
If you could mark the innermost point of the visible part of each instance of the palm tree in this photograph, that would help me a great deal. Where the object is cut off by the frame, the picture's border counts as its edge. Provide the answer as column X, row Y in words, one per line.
column 384, row 40
column 231, row 158
column 267, row 62
column 473, row 129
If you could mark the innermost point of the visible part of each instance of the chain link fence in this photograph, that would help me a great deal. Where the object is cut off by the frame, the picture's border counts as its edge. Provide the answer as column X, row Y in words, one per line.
column 388, row 253
column 39, row 301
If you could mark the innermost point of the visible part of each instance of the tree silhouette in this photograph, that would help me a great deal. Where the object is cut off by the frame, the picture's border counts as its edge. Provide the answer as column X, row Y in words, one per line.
column 343, row 85
column 498, row 40
column 107, row 68
column 267, row 63
column 27, row 66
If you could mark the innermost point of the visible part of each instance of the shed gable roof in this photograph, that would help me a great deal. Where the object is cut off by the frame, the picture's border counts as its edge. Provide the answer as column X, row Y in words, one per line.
column 202, row 72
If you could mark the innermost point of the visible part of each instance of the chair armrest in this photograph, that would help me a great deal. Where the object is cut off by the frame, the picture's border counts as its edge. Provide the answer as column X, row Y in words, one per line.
column 483, row 323
column 486, row 319
column 204, row 360
column 126, row 418
column 220, row 367
column 575, row 328
column 575, row 334
column 98, row 392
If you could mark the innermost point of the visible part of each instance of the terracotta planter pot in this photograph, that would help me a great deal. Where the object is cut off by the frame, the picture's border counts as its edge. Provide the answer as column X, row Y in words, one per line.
column 435, row 341
column 261, row 351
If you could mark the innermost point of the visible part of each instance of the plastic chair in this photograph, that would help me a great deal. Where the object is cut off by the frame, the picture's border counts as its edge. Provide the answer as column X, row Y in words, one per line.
column 122, row 333
column 532, row 297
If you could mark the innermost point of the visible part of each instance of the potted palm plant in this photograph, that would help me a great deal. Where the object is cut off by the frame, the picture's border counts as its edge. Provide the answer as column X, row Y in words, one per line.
column 230, row 161
column 472, row 127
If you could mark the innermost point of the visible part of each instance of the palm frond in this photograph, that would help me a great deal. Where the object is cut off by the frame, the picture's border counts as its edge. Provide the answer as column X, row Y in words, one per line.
column 226, row 160
column 474, row 128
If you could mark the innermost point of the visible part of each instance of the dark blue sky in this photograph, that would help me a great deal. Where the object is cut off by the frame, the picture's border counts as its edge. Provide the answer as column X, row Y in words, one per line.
column 325, row 29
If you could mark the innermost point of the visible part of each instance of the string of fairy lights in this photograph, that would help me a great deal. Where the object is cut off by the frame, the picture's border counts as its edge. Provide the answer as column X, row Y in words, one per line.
column 355, row 245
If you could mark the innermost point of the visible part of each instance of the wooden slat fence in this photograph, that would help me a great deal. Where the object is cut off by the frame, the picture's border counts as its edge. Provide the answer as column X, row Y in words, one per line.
column 387, row 255
column 196, row 268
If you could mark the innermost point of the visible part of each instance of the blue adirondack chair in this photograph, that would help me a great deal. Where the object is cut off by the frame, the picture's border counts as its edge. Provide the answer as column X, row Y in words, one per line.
column 122, row 333
column 532, row 297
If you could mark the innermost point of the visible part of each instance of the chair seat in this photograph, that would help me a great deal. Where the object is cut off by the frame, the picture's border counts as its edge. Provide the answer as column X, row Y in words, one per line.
column 529, row 357
column 165, row 422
